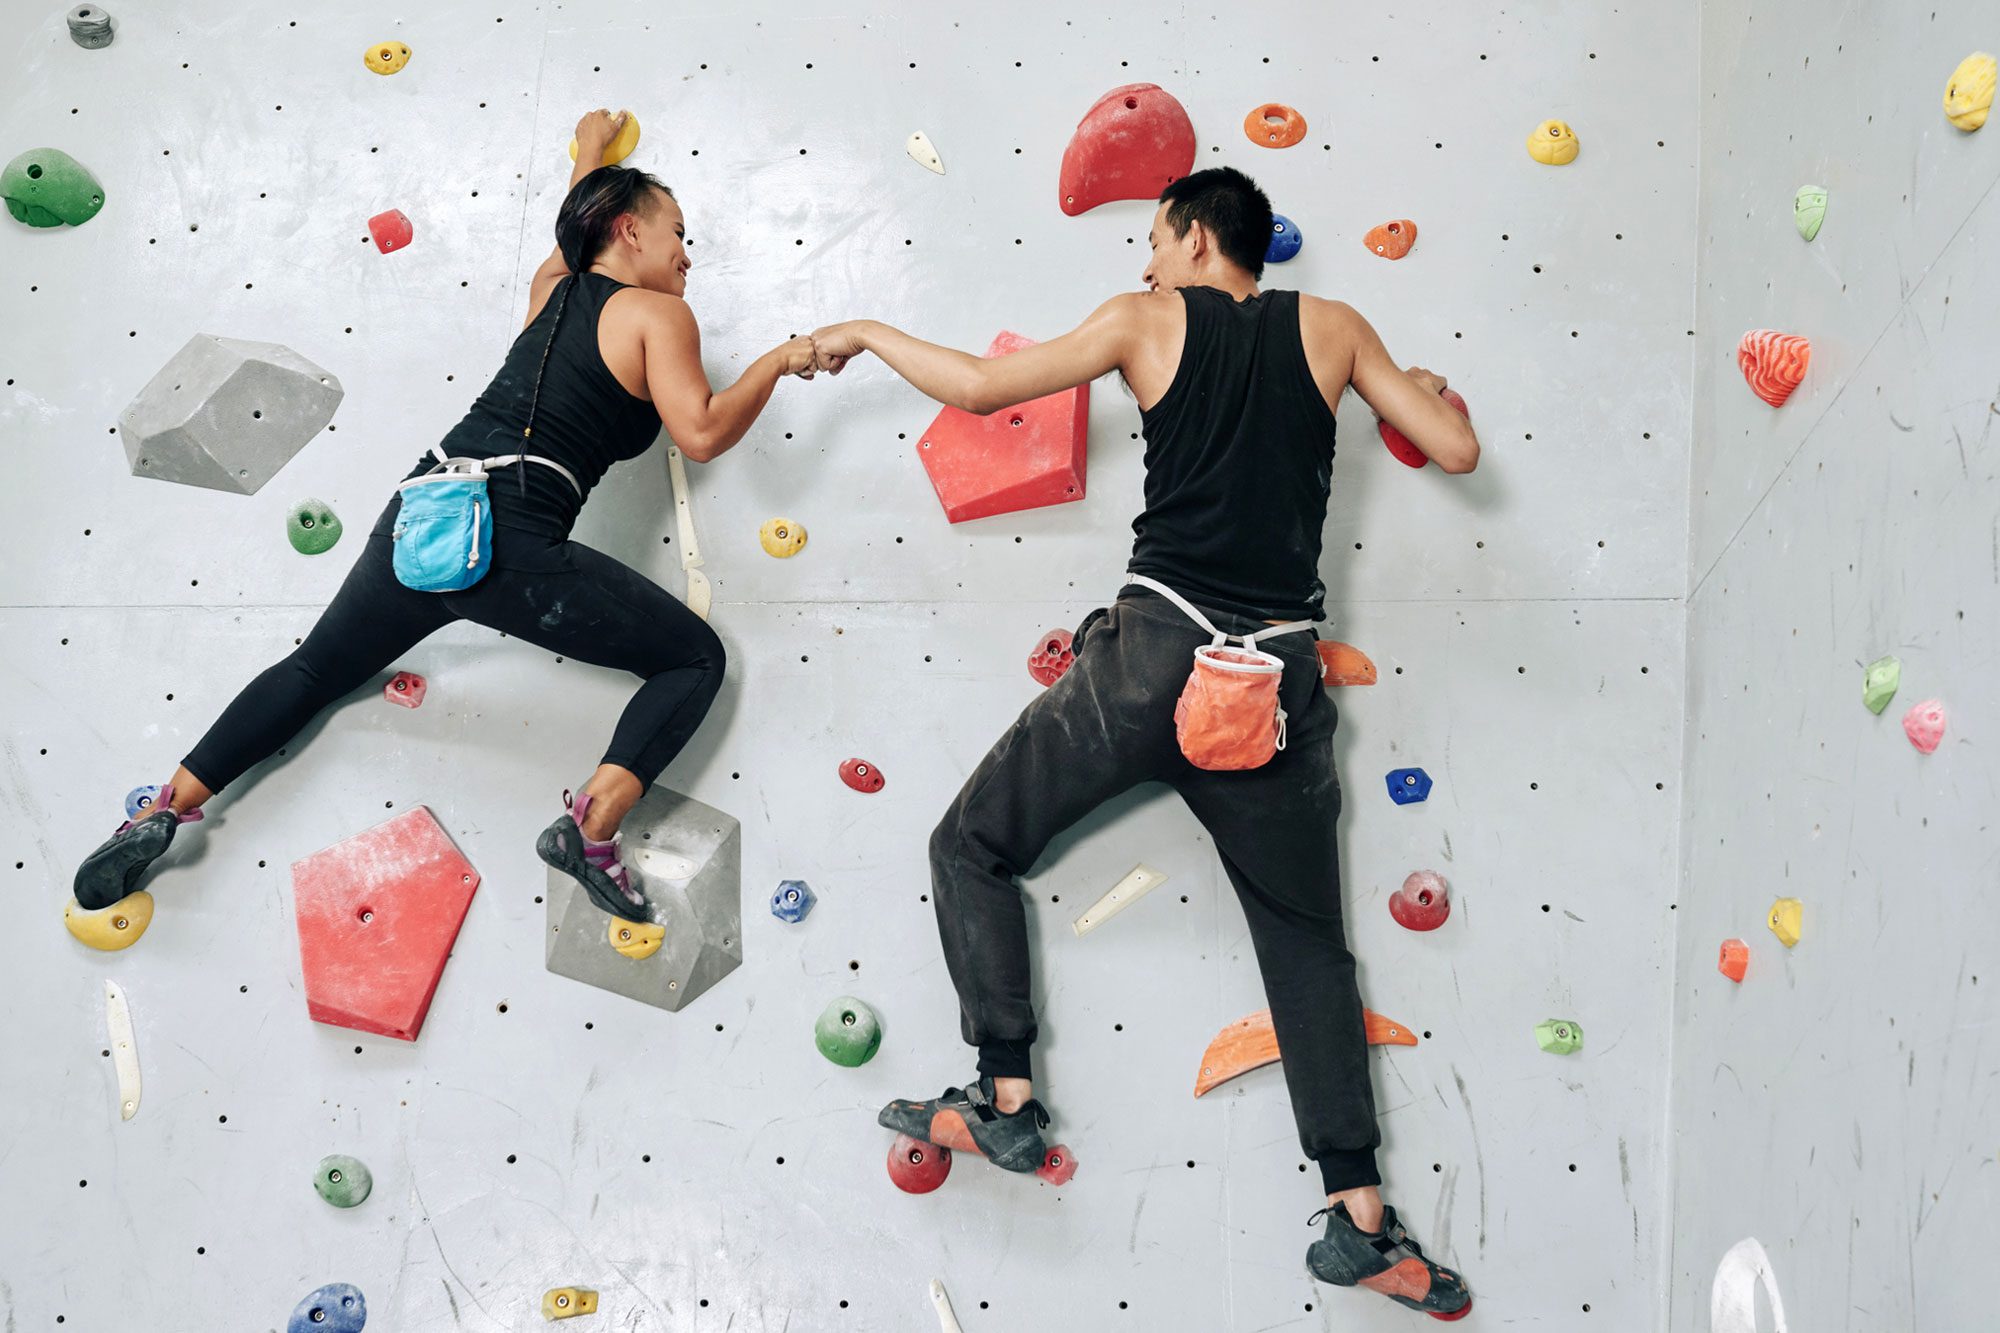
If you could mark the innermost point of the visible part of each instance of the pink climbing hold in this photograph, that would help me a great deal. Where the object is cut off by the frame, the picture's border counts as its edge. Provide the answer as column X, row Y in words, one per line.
column 405, row 688
column 1422, row 903
column 1399, row 444
column 1924, row 725
column 391, row 230
column 1773, row 363
column 1134, row 142
column 862, row 776
column 1051, row 657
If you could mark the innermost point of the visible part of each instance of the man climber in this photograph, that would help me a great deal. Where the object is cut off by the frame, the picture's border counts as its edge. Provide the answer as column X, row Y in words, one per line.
column 1236, row 391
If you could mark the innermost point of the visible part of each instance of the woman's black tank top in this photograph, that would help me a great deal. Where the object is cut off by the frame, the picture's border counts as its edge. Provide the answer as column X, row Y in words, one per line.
column 586, row 420
column 1239, row 458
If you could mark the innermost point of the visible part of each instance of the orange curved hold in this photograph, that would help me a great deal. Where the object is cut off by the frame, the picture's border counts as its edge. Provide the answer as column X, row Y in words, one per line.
column 1344, row 664
column 1274, row 125
column 1251, row 1043
column 1774, row 363
column 1391, row 240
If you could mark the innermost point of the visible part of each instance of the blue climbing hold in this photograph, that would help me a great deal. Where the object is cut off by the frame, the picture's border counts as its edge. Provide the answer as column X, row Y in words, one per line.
column 792, row 901
column 1407, row 786
column 1285, row 240
column 335, row 1308
column 139, row 800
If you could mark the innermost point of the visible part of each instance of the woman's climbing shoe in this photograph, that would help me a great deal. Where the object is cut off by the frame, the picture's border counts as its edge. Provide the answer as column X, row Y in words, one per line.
column 593, row 864
column 966, row 1120
column 114, row 869
column 1387, row 1261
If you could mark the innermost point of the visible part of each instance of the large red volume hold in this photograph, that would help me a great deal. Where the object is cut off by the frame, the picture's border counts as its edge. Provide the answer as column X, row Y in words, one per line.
column 1134, row 142
column 1021, row 457
column 377, row 916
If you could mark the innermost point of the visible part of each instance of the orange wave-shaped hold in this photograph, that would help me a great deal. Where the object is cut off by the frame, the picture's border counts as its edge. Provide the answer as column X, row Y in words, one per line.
column 1773, row 363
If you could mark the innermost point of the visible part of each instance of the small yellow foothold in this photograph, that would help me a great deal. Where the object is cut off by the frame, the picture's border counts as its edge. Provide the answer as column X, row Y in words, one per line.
column 1553, row 143
column 620, row 147
column 568, row 1302
column 636, row 939
column 782, row 537
column 1968, row 96
column 387, row 57
column 1786, row 920
column 118, row 926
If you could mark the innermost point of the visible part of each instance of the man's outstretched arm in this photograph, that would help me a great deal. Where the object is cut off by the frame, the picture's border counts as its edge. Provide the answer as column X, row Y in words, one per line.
column 981, row 384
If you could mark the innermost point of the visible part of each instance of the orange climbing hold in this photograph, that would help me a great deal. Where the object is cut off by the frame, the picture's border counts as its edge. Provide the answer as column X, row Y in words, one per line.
column 1021, row 457
column 1774, row 363
column 1134, row 142
column 1391, row 240
column 1275, row 125
column 1735, row 959
column 1251, row 1042
column 1344, row 664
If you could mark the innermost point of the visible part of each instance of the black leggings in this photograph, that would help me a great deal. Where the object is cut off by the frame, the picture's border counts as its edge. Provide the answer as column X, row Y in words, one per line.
column 556, row 594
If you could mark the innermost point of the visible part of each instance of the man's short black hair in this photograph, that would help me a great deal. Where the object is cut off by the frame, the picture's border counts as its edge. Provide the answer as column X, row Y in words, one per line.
column 1227, row 202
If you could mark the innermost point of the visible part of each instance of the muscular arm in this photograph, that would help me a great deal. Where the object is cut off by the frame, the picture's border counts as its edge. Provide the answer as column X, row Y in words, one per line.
column 1429, row 422
column 700, row 421
column 589, row 157
column 986, row 384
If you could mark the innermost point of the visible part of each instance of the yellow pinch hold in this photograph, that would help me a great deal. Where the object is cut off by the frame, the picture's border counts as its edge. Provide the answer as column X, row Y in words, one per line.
column 568, row 1302
column 1968, row 96
column 112, row 928
column 1787, row 919
column 636, row 939
column 1553, row 143
column 782, row 537
column 620, row 147
column 386, row 57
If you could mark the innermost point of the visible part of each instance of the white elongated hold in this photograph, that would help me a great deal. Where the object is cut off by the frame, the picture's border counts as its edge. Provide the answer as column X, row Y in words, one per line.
column 947, row 1320
column 921, row 151
column 1732, row 1301
column 1140, row 880
column 699, row 596
column 124, row 1050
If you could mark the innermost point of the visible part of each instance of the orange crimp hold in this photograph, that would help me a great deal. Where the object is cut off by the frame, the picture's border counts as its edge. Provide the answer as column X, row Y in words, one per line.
column 1391, row 240
column 1251, row 1043
column 1735, row 960
column 1344, row 664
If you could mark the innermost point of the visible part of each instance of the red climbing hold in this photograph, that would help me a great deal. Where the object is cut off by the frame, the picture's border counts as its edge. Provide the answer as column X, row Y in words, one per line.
column 1051, row 657
column 862, row 775
column 391, row 230
column 917, row 1167
column 1399, row 444
column 1422, row 903
column 1058, row 1166
column 406, row 688
column 1021, row 457
column 1134, row 142
column 1774, row 363
column 377, row 915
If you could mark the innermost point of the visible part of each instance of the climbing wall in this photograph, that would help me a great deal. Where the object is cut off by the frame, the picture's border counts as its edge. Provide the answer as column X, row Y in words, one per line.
column 707, row 1168
column 1836, row 1106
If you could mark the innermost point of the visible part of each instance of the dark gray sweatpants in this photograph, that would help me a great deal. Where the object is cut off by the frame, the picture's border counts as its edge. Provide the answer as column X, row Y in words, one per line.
column 1105, row 727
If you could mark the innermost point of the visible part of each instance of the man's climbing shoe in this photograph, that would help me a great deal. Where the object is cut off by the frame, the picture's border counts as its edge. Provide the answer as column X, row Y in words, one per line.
column 1387, row 1261
column 115, row 868
column 593, row 864
column 966, row 1120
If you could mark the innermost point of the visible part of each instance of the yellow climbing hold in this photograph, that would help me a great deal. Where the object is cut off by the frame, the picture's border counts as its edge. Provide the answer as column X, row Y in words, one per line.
column 636, row 939
column 1553, row 143
column 387, row 57
column 782, row 537
column 1787, row 918
column 620, row 147
column 568, row 1302
column 1969, row 96
column 118, row 926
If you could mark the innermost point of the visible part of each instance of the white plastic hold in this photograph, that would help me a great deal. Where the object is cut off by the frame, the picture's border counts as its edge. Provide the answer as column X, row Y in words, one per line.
column 1138, row 881
column 940, row 1302
column 124, row 1049
column 1732, row 1301
column 922, row 153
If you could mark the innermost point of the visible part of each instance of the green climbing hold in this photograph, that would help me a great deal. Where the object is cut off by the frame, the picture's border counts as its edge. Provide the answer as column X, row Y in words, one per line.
column 313, row 527
column 46, row 187
column 343, row 1181
column 1878, row 687
column 1808, row 209
column 848, row 1033
column 1559, row 1036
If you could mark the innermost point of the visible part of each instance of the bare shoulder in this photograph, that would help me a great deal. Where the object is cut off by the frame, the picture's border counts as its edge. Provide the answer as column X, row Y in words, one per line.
column 1320, row 314
column 1330, row 332
column 649, row 312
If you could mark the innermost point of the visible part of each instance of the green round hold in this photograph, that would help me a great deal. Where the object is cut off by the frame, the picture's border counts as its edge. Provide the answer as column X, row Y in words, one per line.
column 848, row 1033
column 343, row 1181
column 1809, row 209
column 46, row 187
column 313, row 527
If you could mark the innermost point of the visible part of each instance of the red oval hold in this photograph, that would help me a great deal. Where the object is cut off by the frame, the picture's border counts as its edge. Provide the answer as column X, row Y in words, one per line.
column 1051, row 657
column 917, row 1167
column 1058, row 1166
column 862, row 775
column 1422, row 903
column 1399, row 444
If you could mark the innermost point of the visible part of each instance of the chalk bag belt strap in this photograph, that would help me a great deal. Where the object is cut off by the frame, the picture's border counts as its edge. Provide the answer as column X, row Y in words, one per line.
column 505, row 460
column 1194, row 613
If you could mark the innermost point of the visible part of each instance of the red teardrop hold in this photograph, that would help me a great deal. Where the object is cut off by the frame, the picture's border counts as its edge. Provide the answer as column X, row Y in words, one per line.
column 1422, row 903
column 1058, row 1166
column 917, row 1167
column 1399, row 444
column 1134, row 142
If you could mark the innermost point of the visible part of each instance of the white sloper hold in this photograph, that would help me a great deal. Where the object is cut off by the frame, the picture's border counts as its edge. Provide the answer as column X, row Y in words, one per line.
column 922, row 153
column 1732, row 1301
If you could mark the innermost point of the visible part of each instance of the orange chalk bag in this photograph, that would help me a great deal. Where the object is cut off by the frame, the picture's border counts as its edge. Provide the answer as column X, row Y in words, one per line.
column 1228, row 716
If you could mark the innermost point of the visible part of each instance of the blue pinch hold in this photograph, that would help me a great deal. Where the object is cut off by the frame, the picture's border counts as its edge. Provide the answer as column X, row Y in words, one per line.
column 1407, row 786
column 792, row 901
column 1285, row 240
column 338, row 1307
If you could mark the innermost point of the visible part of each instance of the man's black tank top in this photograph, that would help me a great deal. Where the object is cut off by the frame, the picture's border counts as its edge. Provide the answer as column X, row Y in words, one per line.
column 586, row 420
column 1239, row 459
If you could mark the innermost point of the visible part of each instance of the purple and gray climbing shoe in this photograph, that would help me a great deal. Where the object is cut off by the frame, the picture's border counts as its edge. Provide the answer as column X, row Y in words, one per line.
column 593, row 864
column 1387, row 1261
column 966, row 1120
column 115, row 868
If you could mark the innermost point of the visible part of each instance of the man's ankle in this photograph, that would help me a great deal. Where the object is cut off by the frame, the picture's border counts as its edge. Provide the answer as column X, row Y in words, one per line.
column 1364, row 1207
column 1011, row 1094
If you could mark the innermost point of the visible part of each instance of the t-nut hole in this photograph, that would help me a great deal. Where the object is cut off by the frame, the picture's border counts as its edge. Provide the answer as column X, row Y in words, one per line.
column 1015, row 420
column 365, row 915
column 847, row 1018
column 1131, row 104
column 34, row 171
column 119, row 923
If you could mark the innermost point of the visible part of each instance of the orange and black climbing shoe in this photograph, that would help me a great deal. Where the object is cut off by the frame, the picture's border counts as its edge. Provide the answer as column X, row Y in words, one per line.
column 966, row 1120
column 1387, row 1261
